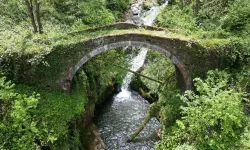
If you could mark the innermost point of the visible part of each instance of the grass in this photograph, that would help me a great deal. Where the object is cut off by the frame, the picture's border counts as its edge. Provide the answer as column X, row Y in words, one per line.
column 27, row 43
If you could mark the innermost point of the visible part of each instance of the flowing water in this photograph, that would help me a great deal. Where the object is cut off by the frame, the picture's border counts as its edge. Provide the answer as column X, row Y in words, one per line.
column 124, row 114
column 149, row 16
column 126, row 111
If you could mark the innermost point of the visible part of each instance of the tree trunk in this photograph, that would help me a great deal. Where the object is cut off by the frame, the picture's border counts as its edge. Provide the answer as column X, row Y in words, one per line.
column 138, row 74
column 145, row 121
column 182, row 4
column 197, row 5
column 38, row 17
column 153, row 111
column 32, row 18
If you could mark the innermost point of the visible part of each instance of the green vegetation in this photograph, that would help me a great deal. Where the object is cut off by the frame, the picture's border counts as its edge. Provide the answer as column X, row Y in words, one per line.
column 18, row 126
column 215, row 115
column 34, row 115
column 214, row 19
column 49, row 119
column 214, row 24
column 43, row 119
column 103, row 75
column 33, row 120
column 160, row 68
column 118, row 7
column 214, row 118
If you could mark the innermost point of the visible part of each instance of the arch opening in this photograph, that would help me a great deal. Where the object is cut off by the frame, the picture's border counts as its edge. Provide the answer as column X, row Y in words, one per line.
column 182, row 74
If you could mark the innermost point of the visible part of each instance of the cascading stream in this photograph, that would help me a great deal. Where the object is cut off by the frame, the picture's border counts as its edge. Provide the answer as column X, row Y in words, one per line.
column 153, row 13
column 126, row 111
column 136, row 63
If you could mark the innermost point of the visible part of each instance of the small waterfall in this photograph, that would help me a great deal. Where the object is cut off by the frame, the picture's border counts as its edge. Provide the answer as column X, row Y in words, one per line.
column 152, row 14
column 138, row 61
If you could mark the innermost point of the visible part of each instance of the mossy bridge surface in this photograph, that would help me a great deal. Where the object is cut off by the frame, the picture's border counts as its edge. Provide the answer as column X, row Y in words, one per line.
column 188, row 57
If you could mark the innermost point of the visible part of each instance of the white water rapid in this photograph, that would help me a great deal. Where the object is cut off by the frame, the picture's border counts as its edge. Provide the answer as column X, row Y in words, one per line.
column 150, row 16
column 136, row 63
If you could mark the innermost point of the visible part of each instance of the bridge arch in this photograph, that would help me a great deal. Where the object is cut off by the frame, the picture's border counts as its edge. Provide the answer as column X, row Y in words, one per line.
column 182, row 74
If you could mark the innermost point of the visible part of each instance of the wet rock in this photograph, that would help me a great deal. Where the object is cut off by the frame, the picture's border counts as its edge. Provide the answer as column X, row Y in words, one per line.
column 96, row 142
column 117, row 88
column 134, row 12
column 137, row 20
column 148, row 4
column 135, row 8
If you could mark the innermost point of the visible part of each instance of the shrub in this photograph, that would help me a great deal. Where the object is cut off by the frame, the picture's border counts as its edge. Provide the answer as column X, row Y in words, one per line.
column 173, row 17
column 118, row 6
column 238, row 16
column 18, row 127
column 212, row 118
column 95, row 13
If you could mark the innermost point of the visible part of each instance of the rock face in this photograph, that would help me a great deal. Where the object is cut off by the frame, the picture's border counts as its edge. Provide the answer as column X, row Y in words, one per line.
column 135, row 8
column 134, row 13
column 137, row 19
column 96, row 142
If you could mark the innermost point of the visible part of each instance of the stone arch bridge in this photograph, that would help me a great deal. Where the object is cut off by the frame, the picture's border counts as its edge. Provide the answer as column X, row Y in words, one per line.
column 188, row 57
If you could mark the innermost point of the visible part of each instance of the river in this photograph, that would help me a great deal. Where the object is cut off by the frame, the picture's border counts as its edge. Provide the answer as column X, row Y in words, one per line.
column 124, row 113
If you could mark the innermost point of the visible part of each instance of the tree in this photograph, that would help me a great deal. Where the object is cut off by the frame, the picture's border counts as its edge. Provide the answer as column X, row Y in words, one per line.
column 34, row 11
column 197, row 5
column 31, row 14
column 38, row 16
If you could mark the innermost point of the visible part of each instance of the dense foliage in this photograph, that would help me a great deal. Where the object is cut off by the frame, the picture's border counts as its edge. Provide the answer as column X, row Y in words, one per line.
column 33, row 120
column 216, row 114
column 214, row 18
column 158, row 67
column 212, row 118
column 19, row 45
column 18, row 123
column 104, row 75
